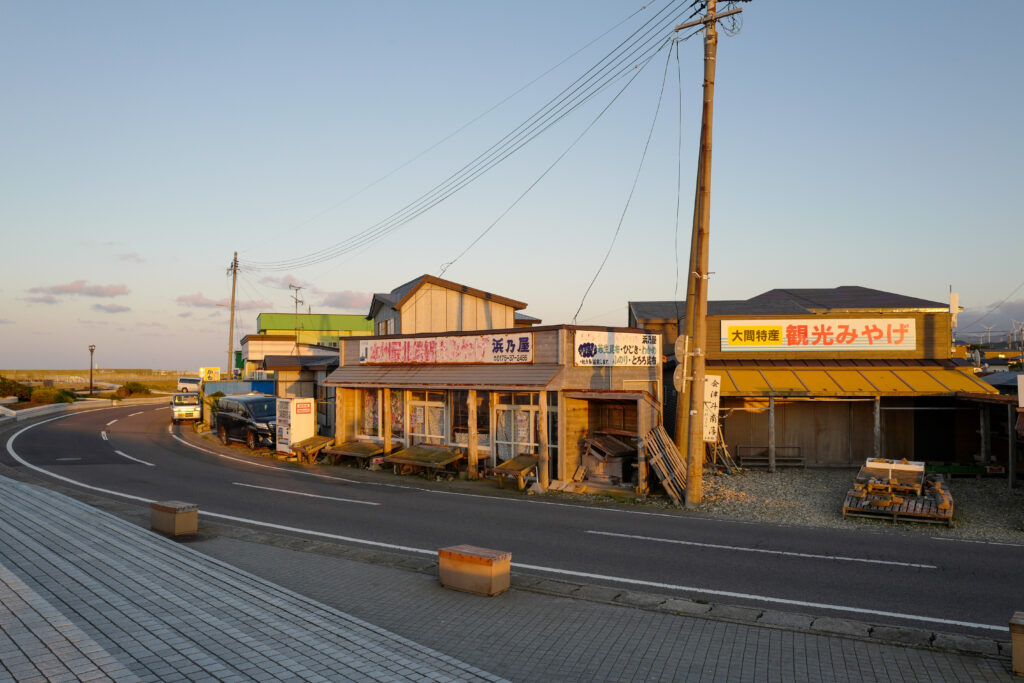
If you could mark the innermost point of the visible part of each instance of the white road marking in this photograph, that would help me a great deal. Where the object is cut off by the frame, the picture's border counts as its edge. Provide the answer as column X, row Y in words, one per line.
column 67, row 459
column 112, row 422
column 967, row 540
column 552, row 570
column 125, row 455
column 160, row 408
column 134, row 414
column 103, row 435
column 300, row 493
column 786, row 553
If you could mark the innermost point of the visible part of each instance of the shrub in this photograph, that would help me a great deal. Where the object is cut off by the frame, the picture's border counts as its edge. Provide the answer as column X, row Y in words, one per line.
column 8, row 387
column 51, row 395
column 131, row 388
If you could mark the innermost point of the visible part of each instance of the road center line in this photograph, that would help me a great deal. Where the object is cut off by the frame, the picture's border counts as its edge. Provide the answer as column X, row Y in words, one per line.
column 125, row 455
column 112, row 422
column 553, row 570
column 134, row 414
column 839, row 558
column 103, row 435
column 301, row 493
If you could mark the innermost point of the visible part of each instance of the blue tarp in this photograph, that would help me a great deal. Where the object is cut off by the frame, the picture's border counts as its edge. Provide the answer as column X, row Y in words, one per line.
column 239, row 387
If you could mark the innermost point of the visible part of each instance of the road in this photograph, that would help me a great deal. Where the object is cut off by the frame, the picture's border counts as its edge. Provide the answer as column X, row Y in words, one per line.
column 896, row 578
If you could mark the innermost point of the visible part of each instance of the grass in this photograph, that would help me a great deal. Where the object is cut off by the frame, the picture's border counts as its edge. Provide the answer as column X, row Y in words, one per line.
column 159, row 380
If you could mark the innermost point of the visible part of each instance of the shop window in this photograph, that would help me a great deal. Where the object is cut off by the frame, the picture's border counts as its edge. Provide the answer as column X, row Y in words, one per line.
column 397, row 413
column 460, row 418
column 515, row 429
column 369, row 413
column 427, row 422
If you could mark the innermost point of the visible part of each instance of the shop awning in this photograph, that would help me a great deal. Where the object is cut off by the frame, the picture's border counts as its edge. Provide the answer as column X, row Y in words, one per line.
column 526, row 375
column 847, row 382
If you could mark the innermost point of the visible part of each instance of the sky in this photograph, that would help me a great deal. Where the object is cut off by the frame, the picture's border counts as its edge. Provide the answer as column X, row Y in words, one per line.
column 144, row 144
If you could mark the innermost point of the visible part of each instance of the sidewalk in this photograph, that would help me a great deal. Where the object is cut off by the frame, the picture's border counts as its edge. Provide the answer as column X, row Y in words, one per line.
column 85, row 595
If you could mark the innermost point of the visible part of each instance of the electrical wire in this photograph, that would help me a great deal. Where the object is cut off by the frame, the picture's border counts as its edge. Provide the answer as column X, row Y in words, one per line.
column 612, row 67
column 679, row 178
column 636, row 178
column 994, row 309
column 449, row 264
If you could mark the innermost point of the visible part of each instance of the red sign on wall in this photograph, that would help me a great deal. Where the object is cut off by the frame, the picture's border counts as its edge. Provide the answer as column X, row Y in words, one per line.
column 304, row 408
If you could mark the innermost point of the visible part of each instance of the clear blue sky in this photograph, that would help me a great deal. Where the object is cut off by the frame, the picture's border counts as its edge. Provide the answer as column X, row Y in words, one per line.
column 869, row 143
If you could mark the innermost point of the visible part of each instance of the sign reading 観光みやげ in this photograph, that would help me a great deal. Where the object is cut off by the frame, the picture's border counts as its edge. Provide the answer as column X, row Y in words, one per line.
column 820, row 334
column 477, row 348
column 617, row 349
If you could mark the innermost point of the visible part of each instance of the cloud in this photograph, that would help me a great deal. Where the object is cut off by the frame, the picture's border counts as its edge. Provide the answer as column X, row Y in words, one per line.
column 95, row 323
column 150, row 325
column 187, row 314
column 197, row 300
column 346, row 299
column 284, row 282
column 80, row 287
column 131, row 256
column 5, row 321
column 41, row 299
column 110, row 308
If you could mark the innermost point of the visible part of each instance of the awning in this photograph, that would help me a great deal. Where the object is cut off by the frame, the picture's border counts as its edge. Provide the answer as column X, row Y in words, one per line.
column 491, row 376
column 847, row 382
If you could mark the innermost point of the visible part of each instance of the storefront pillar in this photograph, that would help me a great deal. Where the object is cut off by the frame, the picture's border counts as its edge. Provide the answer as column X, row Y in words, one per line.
column 472, row 449
column 878, row 427
column 542, row 436
column 1011, row 450
column 986, row 435
column 385, row 419
column 771, row 433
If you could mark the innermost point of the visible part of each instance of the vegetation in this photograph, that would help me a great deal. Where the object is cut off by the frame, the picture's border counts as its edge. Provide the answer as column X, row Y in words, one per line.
column 8, row 387
column 129, row 389
column 52, row 395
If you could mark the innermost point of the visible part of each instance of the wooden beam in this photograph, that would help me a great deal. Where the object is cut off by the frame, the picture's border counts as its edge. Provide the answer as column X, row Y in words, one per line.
column 878, row 427
column 473, row 450
column 771, row 433
column 385, row 419
column 543, row 464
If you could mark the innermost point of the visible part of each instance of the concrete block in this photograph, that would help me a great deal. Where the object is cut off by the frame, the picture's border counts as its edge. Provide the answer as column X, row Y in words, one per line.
column 953, row 641
column 597, row 593
column 902, row 635
column 174, row 518
column 475, row 570
column 846, row 627
column 640, row 599
column 1017, row 643
column 789, row 619
column 735, row 612
column 684, row 606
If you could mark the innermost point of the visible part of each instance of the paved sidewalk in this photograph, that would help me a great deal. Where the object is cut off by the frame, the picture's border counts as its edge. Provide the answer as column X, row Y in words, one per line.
column 85, row 595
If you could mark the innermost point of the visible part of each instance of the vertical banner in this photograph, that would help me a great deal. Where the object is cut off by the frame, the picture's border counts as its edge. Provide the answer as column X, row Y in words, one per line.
column 712, row 399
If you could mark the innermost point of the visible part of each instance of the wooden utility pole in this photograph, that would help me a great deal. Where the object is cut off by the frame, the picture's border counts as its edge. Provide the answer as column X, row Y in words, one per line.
column 231, row 324
column 690, row 406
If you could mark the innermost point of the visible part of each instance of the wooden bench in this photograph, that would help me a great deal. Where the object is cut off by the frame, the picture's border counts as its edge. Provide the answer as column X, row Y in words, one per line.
column 517, row 468
column 362, row 451
column 308, row 450
column 425, row 457
column 475, row 570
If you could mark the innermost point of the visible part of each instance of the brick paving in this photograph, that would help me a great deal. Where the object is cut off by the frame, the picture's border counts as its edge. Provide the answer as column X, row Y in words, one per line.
column 85, row 595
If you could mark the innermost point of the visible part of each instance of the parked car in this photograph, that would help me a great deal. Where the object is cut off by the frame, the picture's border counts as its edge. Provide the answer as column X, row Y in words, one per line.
column 250, row 418
column 186, row 407
column 188, row 384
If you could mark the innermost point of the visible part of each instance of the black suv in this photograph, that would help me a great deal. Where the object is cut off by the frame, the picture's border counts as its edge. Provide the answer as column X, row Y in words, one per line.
column 248, row 418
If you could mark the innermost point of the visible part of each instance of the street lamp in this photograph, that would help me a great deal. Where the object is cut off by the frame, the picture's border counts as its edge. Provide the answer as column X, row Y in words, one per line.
column 92, row 348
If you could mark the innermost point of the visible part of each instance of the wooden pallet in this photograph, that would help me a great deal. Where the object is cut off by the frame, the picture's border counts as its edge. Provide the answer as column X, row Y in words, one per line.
column 670, row 467
column 923, row 508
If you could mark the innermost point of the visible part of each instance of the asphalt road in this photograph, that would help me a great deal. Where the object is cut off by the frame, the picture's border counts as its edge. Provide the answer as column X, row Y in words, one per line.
column 881, row 577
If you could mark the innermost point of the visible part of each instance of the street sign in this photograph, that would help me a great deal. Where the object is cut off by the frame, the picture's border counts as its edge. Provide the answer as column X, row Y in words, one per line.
column 712, row 398
column 683, row 358
column 678, row 378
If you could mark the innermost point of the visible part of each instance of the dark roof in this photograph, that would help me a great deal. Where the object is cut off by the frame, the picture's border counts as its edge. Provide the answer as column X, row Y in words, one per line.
column 673, row 310
column 300, row 362
column 844, row 298
column 1002, row 379
column 400, row 293
column 526, row 318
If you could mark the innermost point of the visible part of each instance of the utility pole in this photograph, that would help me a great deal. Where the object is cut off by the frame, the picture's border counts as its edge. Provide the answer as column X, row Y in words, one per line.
column 233, row 269
column 690, row 404
column 297, row 302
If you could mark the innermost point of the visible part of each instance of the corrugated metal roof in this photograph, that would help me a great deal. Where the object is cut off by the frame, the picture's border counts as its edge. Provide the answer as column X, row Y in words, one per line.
column 674, row 310
column 449, row 376
column 846, row 297
column 848, row 382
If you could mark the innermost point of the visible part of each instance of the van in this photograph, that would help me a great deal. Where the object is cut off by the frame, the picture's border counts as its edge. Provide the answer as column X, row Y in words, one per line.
column 251, row 418
column 188, row 384
column 186, row 407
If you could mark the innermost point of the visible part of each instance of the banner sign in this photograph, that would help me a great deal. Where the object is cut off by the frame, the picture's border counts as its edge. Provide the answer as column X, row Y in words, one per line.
column 627, row 349
column 822, row 334
column 483, row 348
column 712, row 400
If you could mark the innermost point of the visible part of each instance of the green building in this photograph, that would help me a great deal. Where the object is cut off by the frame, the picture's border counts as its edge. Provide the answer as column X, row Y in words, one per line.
column 314, row 328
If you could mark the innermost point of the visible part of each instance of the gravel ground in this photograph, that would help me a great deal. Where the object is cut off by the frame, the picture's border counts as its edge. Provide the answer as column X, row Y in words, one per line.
column 985, row 509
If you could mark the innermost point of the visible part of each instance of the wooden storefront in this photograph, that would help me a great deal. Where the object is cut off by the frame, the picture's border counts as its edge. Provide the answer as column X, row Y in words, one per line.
column 501, row 393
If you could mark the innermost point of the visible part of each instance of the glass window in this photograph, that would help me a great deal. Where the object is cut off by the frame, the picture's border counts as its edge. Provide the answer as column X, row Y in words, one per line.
column 427, row 417
column 460, row 418
column 369, row 412
column 398, row 413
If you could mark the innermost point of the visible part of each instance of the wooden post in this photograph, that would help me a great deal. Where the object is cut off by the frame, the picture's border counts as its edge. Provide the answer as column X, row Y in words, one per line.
column 543, row 464
column 986, row 436
column 473, row 449
column 340, row 427
column 771, row 433
column 1011, row 451
column 385, row 418
column 878, row 427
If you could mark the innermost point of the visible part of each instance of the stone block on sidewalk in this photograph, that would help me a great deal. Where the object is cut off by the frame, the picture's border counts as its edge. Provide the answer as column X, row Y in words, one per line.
column 962, row 643
column 735, row 612
column 846, row 627
column 902, row 635
column 790, row 619
column 684, row 606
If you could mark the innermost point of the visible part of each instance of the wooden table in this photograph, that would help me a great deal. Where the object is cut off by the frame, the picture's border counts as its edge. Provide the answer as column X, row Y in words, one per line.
column 360, row 450
column 517, row 468
column 307, row 450
column 425, row 456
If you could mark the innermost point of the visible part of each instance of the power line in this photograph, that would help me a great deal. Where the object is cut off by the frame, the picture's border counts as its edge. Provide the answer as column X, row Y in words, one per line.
column 997, row 307
column 613, row 66
column 636, row 178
